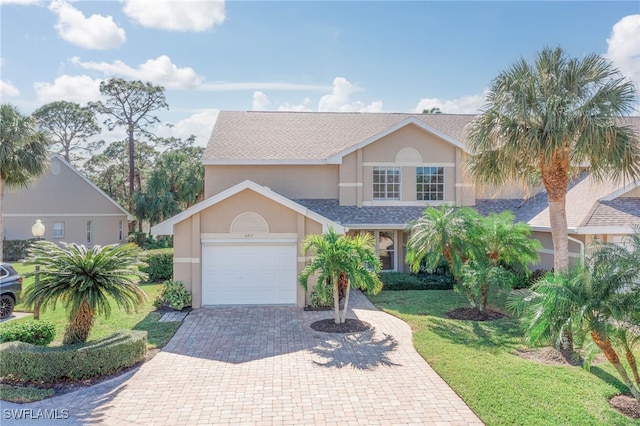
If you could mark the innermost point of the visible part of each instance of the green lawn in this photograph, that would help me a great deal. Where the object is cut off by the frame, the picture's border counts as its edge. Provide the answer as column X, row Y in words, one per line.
column 476, row 359
column 158, row 333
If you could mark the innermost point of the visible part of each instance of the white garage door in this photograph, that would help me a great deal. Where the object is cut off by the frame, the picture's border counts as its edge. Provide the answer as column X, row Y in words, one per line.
column 249, row 274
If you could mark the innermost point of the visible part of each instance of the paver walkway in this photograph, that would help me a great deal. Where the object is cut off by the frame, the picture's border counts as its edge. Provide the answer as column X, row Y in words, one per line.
column 266, row 366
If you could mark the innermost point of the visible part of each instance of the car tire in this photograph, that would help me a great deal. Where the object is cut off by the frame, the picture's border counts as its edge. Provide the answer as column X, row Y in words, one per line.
column 6, row 306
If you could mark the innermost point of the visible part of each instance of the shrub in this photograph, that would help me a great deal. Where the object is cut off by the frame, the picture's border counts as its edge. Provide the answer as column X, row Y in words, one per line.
column 39, row 333
column 394, row 281
column 159, row 264
column 174, row 295
column 13, row 250
column 321, row 296
column 23, row 362
column 148, row 242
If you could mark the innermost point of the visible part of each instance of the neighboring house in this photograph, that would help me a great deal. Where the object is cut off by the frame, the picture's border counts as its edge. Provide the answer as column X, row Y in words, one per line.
column 272, row 178
column 72, row 209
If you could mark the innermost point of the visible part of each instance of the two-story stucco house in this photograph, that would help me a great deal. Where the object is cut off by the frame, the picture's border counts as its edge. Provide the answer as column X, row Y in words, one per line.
column 272, row 178
column 72, row 209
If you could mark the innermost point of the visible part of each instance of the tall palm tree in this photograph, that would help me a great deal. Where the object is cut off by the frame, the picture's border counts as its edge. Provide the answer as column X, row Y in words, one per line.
column 85, row 280
column 597, row 299
column 23, row 153
column 544, row 117
column 341, row 255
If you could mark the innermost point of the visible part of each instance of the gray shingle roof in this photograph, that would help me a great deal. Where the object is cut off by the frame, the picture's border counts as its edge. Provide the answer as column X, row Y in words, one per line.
column 354, row 216
column 304, row 136
column 623, row 211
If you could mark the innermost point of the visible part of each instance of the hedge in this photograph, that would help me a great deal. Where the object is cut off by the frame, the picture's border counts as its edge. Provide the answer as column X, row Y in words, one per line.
column 13, row 250
column 39, row 333
column 393, row 281
column 160, row 264
column 26, row 363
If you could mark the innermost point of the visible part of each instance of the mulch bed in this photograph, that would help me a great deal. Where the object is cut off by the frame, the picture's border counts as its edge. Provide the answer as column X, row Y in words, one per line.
column 549, row 355
column 349, row 326
column 626, row 405
column 473, row 314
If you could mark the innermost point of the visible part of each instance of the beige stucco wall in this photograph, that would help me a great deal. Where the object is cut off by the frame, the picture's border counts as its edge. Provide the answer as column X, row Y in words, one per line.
column 310, row 181
column 218, row 219
column 546, row 254
column 61, row 195
column 357, row 187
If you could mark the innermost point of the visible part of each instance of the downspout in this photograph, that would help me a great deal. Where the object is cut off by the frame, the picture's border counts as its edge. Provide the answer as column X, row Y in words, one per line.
column 575, row 240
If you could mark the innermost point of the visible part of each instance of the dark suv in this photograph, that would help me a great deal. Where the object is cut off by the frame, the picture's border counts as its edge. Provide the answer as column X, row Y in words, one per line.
column 10, row 289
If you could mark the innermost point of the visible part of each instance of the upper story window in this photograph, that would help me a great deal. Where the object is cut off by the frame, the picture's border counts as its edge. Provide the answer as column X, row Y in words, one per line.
column 386, row 183
column 89, row 231
column 58, row 230
column 430, row 183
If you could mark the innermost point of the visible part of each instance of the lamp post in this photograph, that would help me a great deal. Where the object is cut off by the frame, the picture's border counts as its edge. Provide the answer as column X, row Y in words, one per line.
column 38, row 231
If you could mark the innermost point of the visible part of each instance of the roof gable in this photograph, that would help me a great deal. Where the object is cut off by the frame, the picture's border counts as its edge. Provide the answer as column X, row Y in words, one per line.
column 166, row 227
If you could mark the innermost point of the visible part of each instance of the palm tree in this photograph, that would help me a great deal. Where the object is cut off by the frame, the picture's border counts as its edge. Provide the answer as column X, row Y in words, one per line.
column 336, row 256
column 23, row 153
column 544, row 117
column 85, row 280
column 597, row 299
column 504, row 248
column 449, row 232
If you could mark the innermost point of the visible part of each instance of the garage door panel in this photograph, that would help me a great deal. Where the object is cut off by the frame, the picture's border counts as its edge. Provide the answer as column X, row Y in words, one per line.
column 249, row 274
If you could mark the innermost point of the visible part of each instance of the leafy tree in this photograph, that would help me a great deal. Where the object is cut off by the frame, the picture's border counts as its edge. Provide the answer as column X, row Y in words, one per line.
column 175, row 183
column 67, row 125
column 109, row 170
column 130, row 104
column 341, row 255
column 85, row 280
column 543, row 117
column 434, row 110
column 23, row 153
column 601, row 300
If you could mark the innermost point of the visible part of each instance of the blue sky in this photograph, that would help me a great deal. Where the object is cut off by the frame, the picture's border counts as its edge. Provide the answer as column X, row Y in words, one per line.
column 365, row 56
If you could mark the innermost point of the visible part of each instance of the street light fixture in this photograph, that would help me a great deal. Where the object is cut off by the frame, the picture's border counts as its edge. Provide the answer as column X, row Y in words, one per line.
column 37, row 230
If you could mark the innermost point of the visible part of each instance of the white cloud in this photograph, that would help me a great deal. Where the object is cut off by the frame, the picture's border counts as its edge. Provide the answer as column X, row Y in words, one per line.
column 624, row 47
column 7, row 89
column 199, row 124
column 80, row 89
column 339, row 99
column 22, row 2
column 260, row 101
column 304, row 107
column 160, row 71
column 252, row 85
column 175, row 15
column 95, row 32
column 464, row 105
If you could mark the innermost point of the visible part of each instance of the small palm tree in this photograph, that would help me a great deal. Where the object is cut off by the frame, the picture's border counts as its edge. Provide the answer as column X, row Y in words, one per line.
column 543, row 117
column 341, row 255
column 23, row 153
column 85, row 280
column 597, row 299
column 448, row 232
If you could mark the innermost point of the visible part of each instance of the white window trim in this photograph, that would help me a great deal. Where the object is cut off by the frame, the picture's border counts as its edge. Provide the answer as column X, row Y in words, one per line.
column 386, row 168
column 58, row 232
column 444, row 183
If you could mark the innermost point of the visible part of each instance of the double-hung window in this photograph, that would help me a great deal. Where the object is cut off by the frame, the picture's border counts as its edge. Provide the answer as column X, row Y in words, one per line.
column 430, row 183
column 58, row 230
column 386, row 183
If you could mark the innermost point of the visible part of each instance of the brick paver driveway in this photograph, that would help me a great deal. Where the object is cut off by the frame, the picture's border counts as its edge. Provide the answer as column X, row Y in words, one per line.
column 265, row 365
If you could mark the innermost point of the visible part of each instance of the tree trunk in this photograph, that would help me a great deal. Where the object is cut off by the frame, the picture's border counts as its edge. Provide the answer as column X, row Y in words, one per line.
column 631, row 359
column 132, row 168
column 2, row 182
column 605, row 346
column 566, row 347
column 336, row 299
column 483, row 298
column 560, row 235
column 80, row 325
column 346, row 303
